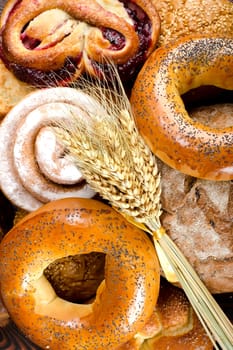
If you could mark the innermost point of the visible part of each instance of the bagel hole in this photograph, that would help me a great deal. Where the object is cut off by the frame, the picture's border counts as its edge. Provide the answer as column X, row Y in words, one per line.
column 76, row 278
column 210, row 106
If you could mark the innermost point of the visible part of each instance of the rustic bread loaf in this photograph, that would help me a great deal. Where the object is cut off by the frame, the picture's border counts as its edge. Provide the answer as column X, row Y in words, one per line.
column 198, row 214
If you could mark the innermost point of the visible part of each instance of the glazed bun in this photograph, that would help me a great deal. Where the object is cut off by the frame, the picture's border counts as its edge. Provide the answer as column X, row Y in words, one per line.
column 124, row 300
column 187, row 17
column 162, row 119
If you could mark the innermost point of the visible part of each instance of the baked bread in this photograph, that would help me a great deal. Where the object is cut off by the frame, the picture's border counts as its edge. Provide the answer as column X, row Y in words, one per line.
column 198, row 214
column 173, row 325
column 12, row 90
column 186, row 17
column 76, row 278
column 53, row 43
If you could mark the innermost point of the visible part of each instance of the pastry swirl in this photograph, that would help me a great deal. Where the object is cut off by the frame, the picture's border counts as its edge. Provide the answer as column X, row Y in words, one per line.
column 34, row 167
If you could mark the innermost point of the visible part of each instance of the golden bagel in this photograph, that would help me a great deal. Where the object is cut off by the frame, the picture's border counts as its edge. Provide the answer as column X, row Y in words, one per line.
column 124, row 300
column 184, row 144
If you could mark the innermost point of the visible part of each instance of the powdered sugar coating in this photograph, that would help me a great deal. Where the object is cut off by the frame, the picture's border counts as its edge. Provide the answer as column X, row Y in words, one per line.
column 21, row 179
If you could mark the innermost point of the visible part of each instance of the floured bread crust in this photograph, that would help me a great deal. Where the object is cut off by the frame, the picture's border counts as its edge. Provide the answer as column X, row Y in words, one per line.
column 198, row 214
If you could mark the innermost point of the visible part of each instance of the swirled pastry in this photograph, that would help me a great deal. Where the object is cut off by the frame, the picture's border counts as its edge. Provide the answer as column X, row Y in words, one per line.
column 53, row 42
column 35, row 168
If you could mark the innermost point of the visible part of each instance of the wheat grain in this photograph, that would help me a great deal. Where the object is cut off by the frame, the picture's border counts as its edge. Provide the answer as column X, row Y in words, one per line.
column 113, row 140
column 105, row 144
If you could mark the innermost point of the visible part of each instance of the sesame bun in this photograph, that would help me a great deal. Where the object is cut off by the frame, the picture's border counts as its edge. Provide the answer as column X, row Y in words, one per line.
column 185, row 17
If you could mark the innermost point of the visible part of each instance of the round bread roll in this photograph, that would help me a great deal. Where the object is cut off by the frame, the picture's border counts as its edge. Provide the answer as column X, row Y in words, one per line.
column 185, row 17
column 198, row 214
column 161, row 117
column 124, row 300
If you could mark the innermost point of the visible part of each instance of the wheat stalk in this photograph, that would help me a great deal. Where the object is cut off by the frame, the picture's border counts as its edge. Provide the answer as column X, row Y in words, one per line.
column 117, row 163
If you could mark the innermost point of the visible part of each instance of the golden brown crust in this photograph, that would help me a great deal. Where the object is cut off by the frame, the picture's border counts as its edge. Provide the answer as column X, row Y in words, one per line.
column 67, row 227
column 4, row 316
column 195, row 339
column 51, row 36
column 11, row 90
column 173, row 325
column 187, row 17
column 160, row 114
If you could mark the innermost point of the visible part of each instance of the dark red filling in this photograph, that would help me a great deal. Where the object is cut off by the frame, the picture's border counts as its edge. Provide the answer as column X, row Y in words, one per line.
column 63, row 76
column 29, row 43
column 40, row 78
column 142, row 24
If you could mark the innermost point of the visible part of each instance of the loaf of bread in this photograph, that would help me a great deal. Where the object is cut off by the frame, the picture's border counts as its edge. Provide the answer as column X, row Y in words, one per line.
column 198, row 214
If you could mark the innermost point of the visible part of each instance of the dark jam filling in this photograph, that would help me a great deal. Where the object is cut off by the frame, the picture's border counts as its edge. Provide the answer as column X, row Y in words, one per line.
column 60, row 77
column 29, row 43
column 64, row 75
column 115, row 38
column 142, row 25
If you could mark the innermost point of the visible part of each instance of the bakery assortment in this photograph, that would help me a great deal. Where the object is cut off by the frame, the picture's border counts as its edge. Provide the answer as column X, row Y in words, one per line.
column 50, row 43
column 75, row 273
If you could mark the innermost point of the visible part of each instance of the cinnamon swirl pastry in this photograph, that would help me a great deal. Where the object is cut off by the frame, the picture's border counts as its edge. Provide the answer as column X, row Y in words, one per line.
column 35, row 169
column 54, row 42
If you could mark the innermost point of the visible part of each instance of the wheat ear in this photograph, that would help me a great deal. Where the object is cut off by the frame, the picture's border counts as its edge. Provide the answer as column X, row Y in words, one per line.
column 117, row 163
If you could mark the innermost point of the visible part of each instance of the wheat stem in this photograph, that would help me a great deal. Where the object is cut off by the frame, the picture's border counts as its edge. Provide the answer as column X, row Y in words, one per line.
column 117, row 163
column 213, row 319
